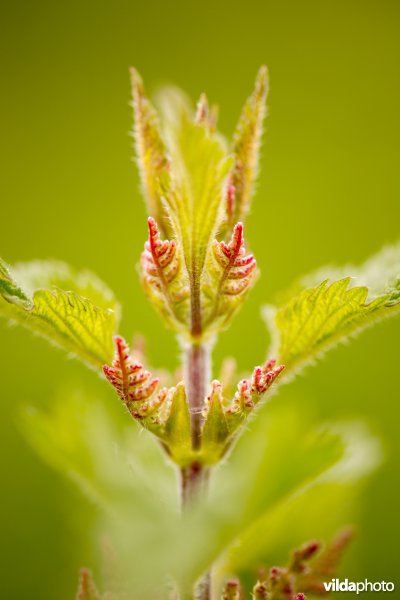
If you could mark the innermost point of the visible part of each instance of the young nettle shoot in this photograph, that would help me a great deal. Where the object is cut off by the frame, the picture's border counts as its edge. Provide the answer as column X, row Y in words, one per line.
column 197, row 272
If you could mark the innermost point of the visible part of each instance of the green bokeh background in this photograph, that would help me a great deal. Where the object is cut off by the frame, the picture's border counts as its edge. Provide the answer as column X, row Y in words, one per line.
column 328, row 193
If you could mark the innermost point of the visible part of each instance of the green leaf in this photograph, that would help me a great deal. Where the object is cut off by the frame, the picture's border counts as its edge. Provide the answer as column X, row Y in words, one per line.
column 286, row 525
column 194, row 189
column 380, row 273
column 113, row 463
column 164, row 412
column 150, row 150
column 262, row 499
column 63, row 314
column 215, row 429
column 122, row 471
column 246, row 147
column 279, row 455
column 177, row 428
column 10, row 290
column 194, row 192
column 319, row 317
column 193, row 198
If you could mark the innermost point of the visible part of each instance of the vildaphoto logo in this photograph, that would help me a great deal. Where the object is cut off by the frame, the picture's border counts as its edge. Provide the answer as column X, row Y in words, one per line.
column 337, row 585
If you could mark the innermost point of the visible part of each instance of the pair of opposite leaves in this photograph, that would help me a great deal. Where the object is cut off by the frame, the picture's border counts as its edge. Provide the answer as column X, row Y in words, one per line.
column 196, row 189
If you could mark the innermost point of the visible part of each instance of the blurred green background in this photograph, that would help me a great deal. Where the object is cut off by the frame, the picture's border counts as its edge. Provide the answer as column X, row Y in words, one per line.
column 328, row 193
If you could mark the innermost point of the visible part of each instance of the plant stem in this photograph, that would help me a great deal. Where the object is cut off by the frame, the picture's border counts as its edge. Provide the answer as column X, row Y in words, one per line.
column 194, row 483
column 196, row 378
column 194, row 478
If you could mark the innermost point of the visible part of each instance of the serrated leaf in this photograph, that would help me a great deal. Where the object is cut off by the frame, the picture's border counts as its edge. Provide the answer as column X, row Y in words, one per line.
column 194, row 195
column 87, row 589
column 47, row 274
column 246, row 147
column 250, row 392
column 164, row 279
column 10, row 290
column 113, row 464
column 65, row 317
column 150, row 150
column 380, row 274
column 122, row 471
column 195, row 191
column 319, row 317
column 334, row 493
column 194, row 188
column 229, row 275
column 137, row 388
column 279, row 455
column 232, row 591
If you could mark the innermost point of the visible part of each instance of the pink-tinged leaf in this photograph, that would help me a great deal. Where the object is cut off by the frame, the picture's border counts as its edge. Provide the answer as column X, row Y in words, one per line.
column 326, row 564
column 87, row 589
column 250, row 391
column 232, row 590
column 231, row 273
column 230, row 199
column 303, row 572
column 163, row 277
column 135, row 386
column 222, row 421
column 206, row 115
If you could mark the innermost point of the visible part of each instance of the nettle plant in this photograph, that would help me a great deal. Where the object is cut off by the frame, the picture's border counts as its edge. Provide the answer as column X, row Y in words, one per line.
column 279, row 474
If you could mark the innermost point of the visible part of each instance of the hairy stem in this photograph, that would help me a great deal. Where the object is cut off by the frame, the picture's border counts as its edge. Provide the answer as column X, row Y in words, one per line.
column 194, row 478
column 196, row 378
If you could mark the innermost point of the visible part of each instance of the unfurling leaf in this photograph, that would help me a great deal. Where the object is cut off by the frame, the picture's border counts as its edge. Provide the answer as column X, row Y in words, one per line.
column 136, row 387
column 87, row 589
column 322, row 316
column 222, row 422
column 279, row 455
column 230, row 274
column 326, row 564
column 206, row 115
column 192, row 189
column 164, row 278
column 303, row 572
column 10, row 290
column 165, row 412
column 196, row 191
column 150, row 150
column 232, row 590
column 62, row 314
column 246, row 147
column 250, row 391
